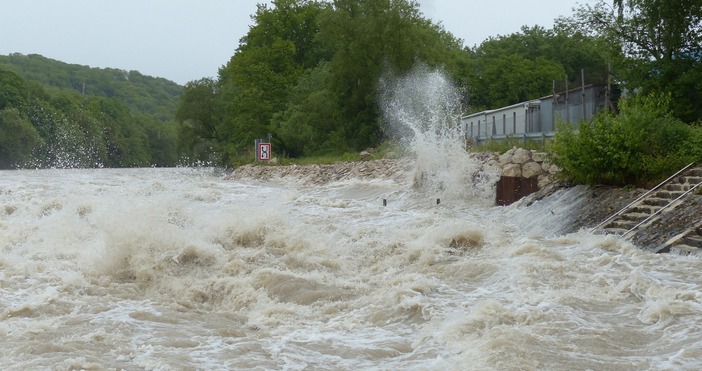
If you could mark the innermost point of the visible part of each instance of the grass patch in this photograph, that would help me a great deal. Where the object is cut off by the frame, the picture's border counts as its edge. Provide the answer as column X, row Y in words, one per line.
column 505, row 144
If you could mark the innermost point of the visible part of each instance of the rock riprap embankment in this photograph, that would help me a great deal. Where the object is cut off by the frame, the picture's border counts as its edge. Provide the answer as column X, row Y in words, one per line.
column 321, row 174
column 524, row 163
column 517, row 162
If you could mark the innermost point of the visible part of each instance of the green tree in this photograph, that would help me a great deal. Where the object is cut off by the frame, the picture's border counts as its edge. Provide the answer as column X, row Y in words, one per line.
column 162, row 140
column 373, row 37
column 657, row 47
column 521, row 66
column 18, row 139
column 144, row 95
column 59, row 101
column 255, row 84
column 126, row 143
column 201, row 136
column 309, row 125
column 13, row 90
column 509, row 79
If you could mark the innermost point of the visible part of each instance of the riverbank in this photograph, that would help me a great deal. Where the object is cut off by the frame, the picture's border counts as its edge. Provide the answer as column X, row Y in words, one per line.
column 599, row 202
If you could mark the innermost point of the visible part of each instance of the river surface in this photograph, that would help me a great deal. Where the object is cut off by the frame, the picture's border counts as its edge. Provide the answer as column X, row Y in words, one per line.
column 180, row 269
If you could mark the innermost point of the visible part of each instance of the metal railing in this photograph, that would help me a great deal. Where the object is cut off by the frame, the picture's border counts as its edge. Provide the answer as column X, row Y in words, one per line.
column 662, row 208
column 620, row 212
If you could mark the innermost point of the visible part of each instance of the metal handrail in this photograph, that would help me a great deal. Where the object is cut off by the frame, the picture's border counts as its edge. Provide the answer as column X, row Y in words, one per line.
column 662, row 208
column 640, row 198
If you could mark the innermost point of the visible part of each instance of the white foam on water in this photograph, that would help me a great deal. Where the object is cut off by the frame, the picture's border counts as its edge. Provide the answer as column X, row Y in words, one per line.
column 174, row 269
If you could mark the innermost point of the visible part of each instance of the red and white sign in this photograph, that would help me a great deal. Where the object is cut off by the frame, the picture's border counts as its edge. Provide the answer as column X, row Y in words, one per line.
column 263, row 152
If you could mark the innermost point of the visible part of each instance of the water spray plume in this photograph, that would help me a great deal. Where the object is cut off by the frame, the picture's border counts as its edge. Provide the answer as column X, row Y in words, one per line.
column 422, row 110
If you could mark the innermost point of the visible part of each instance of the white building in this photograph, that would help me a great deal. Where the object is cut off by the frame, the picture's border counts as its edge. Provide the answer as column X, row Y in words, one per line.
column 515, row 119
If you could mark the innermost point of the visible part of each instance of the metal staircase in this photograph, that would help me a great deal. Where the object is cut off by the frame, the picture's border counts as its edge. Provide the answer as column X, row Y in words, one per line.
column 647, row 208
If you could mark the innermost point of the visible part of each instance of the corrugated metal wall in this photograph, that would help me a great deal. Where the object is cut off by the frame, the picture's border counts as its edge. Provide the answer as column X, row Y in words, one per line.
column 510, row 189
column 537, row 116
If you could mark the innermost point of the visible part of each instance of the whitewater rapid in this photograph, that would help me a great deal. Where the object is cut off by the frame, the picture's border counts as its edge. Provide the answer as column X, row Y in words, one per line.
column 180, row 269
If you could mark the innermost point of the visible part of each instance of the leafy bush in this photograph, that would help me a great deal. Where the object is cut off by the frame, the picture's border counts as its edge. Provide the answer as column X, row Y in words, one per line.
column 641, row 145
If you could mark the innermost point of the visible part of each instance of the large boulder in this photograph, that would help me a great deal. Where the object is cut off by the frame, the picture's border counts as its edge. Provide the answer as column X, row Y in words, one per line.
column 531, row 169
column 512, row 170
column 521, row 156
column 506, row 158
column 539, row 156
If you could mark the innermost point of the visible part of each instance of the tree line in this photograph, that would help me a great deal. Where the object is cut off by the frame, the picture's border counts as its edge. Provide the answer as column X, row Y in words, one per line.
column 657, row 48
column 308, row 71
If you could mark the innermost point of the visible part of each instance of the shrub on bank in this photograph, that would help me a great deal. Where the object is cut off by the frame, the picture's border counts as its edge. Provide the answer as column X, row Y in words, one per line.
column 641, row 145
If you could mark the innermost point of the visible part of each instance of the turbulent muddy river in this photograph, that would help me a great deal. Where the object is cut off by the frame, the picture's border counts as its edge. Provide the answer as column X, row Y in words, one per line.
column 175, row 269
column 183, row 269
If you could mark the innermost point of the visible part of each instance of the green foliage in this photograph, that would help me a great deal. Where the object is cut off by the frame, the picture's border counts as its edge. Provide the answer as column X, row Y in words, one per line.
column 200, row 132
column 13, row 90
column 643, row 143
column 656, row 46
column 307, row 73
column 510, row 79
column 307, row 126
column 143, row 95
column 254, row 86
column 373, row 37
column 18, row 138
column 87, row 117
column 50, row 127
column 515, row 68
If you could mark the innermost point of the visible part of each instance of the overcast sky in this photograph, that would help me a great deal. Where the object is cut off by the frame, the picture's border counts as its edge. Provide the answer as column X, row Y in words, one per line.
column 184, row 40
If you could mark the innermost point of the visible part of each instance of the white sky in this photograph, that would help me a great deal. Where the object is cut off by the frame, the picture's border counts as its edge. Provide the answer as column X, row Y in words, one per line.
column 184, row 40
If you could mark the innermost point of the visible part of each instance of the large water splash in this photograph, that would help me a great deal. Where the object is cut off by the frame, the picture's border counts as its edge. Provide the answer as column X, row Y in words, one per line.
column 422, row 109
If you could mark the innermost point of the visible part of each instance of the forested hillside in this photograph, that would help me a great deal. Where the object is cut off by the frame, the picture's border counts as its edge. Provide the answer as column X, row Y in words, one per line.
column 144, row 95
column 54, row 114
